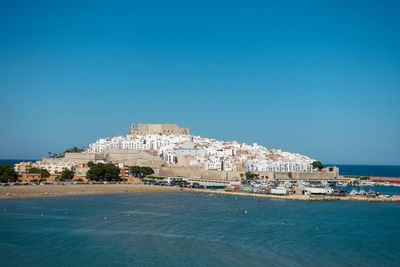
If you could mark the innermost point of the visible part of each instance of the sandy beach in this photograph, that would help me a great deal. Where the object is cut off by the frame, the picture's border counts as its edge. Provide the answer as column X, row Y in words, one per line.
column 30, row 191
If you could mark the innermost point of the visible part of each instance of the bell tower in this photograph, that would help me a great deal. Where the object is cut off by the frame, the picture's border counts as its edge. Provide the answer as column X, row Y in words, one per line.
column 133, row 130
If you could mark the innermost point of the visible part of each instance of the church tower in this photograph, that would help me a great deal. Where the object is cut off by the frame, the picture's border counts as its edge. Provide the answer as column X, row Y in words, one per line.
column 133, row 130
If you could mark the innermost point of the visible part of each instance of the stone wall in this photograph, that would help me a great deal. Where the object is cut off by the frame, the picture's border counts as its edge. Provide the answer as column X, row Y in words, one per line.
column 128, row 157
column 135, row 158
column 79, row 157
column 191, row 172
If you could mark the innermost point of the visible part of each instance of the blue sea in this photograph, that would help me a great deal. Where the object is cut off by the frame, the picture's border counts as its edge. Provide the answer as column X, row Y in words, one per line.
column 179, row 229
column 12, row 162
column 368, row 170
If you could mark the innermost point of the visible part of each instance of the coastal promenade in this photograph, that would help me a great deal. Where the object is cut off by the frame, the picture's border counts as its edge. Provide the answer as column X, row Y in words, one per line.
column 29, row 191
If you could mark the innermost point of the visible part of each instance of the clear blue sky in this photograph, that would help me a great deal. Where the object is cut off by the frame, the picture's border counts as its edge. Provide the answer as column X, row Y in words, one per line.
column 321, row 78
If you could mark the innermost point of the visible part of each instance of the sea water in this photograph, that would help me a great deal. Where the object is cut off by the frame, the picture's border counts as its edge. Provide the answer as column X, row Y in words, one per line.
column 193, row 229
column 12, row 162
column 368, row 170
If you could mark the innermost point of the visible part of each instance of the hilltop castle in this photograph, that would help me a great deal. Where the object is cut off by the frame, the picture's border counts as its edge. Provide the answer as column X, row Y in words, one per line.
column 162, row 129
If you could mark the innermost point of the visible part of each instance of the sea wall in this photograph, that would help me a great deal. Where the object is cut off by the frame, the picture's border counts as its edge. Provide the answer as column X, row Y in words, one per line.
column 190, row 172
column 128, row 157
column 135, row 158
column 79, row 157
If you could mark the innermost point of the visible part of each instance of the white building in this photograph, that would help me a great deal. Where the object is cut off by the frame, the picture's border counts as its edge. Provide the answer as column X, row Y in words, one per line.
column 208, row 153
column 53, row 168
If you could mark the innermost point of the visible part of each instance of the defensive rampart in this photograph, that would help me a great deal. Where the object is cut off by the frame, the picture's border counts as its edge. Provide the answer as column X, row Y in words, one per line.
column 199, row 173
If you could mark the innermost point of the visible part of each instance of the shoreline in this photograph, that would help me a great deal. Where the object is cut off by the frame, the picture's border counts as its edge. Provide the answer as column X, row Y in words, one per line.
column 38, row 191
column 303, row 197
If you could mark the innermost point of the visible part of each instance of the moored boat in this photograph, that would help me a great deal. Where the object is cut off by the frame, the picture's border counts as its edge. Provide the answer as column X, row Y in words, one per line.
column 279, row 191
column 318, row 190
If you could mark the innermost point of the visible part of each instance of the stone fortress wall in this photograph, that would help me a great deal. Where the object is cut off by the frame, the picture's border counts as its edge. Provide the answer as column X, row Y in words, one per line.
column 135, row 158
column 199, row 173
column 127, row 157
column 164, row 129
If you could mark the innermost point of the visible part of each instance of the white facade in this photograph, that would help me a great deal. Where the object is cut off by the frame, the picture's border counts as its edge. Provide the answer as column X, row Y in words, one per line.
column 170, row 157
column 209, row 153
column 53, row 168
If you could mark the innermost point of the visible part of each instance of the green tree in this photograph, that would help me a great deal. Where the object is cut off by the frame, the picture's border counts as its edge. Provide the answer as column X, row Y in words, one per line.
column 146, row 171
column 96, row 172
column 7, row 173
column 111, row 172
column 317, row 165
column 69, row 150
column 136, row 170
column 251, row 176
column 74, row 150
column 45, row 173
column 248, row 175
column 290, row 175
column 103, row 172
column 66, row 175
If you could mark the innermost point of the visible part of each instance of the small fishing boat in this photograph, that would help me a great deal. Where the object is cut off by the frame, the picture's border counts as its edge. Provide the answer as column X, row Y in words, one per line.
column 353, row 192
column 324, row 183
column 371, row 193
column 361, row 192
column 279, row 191
column 318, row 190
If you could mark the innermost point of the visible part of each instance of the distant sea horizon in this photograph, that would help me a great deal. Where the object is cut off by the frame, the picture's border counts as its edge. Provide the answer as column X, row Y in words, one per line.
column 344, row 169
column 368, row 170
